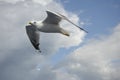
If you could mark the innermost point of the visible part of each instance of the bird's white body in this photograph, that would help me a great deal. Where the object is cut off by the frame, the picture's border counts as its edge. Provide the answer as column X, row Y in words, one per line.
column 47, row 28
column 51, row 28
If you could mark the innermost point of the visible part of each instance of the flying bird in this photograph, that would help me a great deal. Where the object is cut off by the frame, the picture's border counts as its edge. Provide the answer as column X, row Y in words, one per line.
column 49, row 25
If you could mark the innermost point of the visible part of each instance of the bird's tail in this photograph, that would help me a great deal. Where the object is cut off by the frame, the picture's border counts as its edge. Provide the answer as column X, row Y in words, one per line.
column 64, row 32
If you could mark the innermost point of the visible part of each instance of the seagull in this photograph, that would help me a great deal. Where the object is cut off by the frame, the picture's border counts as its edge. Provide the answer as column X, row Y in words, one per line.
column 49, row 25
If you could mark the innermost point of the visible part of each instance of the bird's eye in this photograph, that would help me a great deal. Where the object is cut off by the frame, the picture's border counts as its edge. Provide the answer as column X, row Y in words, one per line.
column 34, row 22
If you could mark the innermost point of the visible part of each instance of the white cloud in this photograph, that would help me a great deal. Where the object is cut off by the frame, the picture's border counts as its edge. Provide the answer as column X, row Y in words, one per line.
column 11, row 1
column 17, row 59
column 99, row 59
column 43, row 2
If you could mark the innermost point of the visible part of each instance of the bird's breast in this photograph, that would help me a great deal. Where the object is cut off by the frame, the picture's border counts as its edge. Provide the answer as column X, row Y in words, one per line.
column 40, row 25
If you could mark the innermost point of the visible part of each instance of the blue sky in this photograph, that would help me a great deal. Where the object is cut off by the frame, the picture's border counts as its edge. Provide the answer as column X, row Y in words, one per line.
column 91, row 56
column 102, row 14
column 100, row 18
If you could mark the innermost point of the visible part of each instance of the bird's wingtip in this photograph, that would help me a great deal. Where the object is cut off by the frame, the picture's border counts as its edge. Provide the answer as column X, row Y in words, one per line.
column 86, row 31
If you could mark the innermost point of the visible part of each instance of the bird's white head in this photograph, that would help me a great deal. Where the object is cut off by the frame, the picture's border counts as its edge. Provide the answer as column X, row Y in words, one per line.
column 32, row 22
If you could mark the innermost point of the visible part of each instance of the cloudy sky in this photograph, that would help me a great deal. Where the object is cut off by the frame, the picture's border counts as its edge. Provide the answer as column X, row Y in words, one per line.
column 92, row 56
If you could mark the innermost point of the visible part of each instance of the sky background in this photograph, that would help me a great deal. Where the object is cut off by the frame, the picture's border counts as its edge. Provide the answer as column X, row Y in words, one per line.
column 91, row 56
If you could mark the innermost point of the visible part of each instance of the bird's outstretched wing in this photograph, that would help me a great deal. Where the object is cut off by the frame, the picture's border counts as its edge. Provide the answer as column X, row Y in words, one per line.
column 52, row 18
column 33, row 35
column 64, row 17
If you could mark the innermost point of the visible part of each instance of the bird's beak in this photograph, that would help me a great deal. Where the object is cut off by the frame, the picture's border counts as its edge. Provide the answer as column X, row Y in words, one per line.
column 30, row 23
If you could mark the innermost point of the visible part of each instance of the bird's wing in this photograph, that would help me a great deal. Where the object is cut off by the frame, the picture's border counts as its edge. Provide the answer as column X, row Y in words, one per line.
column 52, row 18
column 64, row 17
column 33, row 35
